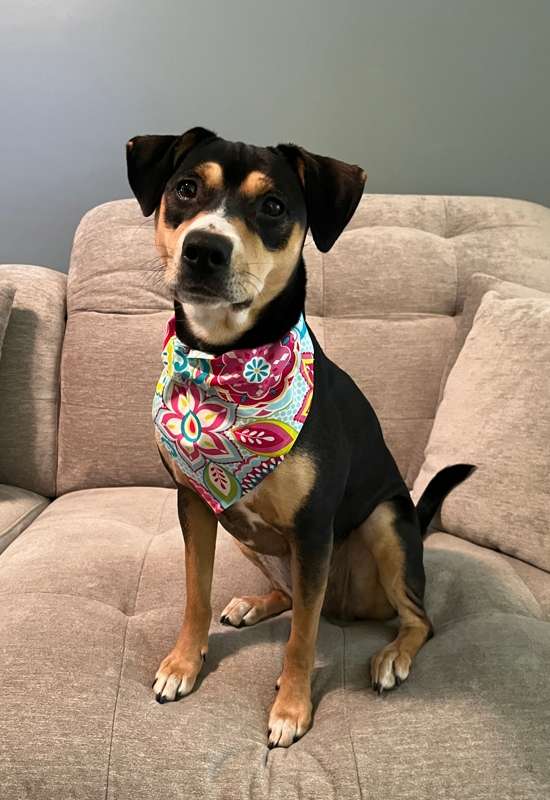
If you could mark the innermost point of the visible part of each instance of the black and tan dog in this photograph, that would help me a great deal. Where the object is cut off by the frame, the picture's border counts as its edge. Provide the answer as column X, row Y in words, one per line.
column 230, row 226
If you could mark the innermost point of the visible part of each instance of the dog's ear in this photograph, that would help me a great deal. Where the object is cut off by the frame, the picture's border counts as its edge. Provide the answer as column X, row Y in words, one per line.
column 151, row 160
column 332, row 191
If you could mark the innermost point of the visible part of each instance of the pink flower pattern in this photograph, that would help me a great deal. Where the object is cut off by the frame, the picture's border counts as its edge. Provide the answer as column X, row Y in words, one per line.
column 229, row 420
column 259, row 375
column 197, row 424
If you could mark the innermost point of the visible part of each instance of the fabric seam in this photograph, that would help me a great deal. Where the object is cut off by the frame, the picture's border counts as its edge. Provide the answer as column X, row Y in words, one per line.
column 123, row 653
column 40, row 506
column 346, row 713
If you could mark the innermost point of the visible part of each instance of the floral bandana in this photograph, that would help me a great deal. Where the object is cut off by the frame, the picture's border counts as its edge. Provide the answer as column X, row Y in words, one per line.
column 229, row 420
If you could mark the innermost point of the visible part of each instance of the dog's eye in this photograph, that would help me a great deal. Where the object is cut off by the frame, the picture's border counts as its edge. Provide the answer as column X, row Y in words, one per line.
column 186, row 190
column 272, row 207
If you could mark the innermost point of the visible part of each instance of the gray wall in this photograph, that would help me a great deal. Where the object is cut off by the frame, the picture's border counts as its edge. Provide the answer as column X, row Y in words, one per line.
column 430, row 96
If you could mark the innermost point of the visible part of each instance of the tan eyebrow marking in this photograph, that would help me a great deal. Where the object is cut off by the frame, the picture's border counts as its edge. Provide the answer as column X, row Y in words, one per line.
column 255, row 183
column 212, row 174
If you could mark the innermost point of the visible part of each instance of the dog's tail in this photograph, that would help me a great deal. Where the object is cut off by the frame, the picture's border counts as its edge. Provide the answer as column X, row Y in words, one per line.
column 437, row 489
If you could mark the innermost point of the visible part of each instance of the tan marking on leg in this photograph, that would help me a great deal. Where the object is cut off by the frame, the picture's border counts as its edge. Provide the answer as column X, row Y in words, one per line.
column 256, row 183
column 211, row 173
column 178, row 672
column 252, row 531
column 290, row 715
column 279, row 497
column 354, row 590
column 391, row 665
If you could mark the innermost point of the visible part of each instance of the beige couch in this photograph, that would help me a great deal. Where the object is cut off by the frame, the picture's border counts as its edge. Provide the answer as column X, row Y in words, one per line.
column 92, row 591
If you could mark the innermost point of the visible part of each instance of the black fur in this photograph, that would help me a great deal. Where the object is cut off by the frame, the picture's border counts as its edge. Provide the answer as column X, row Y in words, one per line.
column 151, row 160
column 356, row 472
column 440, row 486
column 332, row 191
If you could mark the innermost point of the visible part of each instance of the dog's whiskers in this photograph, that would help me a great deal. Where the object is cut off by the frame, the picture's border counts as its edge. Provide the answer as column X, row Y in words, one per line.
column 252, row 280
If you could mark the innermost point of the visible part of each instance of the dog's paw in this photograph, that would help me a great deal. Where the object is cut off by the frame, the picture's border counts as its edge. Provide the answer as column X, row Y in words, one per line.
column 176, row 676
column 289, row 719
column 389, row 668
column 241, row 611
column 245, row 611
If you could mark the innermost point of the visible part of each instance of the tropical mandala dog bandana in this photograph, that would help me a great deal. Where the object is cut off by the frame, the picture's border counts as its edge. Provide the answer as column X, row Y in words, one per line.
column 229, row 420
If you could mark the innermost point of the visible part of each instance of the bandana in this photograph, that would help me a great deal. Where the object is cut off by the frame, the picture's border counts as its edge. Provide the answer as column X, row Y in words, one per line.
column 229, row 420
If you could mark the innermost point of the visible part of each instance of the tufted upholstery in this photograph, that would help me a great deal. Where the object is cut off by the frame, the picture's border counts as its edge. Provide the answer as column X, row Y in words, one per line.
column 382, row 302
column 91, row 597
column 91, row 593
column 29, row 378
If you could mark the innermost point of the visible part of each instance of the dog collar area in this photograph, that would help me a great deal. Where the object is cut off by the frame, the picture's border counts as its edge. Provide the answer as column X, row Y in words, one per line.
column 229, row 420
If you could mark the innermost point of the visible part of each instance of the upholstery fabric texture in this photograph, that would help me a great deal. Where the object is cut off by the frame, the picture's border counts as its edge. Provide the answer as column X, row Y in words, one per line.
column 29, row 378
column 91, row 598
column 390, row 286
column 18, row 508
column 7, row 293
column 478, row 286
column 495, row 414
column 92, row 591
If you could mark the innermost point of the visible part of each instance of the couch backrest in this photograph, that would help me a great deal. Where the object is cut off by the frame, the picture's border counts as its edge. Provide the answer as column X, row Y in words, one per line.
column 29, row 378
column 382, row 302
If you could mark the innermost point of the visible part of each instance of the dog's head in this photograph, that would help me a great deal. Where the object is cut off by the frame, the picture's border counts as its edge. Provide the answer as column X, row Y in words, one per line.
column 231, row 218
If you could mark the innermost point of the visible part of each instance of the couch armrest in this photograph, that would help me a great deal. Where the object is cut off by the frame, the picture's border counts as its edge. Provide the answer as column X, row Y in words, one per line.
column 18, row 508
column 29, row 378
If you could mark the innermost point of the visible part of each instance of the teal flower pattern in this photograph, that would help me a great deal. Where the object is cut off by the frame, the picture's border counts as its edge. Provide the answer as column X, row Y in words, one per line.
column 256, row 370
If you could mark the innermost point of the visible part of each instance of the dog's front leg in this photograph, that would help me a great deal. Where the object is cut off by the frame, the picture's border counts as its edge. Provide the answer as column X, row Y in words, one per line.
column 290, row 715
column 178, row 672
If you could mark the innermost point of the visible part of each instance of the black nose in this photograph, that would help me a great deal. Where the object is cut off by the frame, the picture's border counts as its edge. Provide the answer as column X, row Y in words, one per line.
column 203, row 250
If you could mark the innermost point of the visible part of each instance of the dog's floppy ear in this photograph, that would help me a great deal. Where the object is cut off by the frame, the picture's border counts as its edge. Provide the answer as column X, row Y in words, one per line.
column 332, row 191
column 151, row 160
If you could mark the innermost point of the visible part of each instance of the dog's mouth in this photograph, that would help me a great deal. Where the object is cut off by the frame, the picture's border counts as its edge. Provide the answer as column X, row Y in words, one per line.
column 197, row 293
column 200, row 294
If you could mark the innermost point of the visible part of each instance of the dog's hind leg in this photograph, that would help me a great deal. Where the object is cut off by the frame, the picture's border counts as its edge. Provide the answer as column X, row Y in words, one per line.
column 250, row 609
column 392, row 536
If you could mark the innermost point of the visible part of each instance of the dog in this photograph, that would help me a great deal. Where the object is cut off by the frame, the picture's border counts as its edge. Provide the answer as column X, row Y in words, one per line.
column 329, row 520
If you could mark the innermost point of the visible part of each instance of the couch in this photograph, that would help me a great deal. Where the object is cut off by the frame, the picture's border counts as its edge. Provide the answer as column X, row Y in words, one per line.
column 91, row 573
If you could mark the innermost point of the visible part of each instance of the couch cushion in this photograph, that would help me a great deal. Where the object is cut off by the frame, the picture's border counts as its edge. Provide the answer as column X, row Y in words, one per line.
column 478, row 286
column 7, row 294
column 389, row 289
column 495, row 414
column 18, row 508
column 29, row 378
column 91, row 596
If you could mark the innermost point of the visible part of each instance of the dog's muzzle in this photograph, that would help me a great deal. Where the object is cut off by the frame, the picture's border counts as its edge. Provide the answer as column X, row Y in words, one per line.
column 205, row 266
column 204, row 253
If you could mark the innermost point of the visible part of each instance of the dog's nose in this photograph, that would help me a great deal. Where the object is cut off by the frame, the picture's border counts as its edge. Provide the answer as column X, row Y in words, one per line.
column 203, row 250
